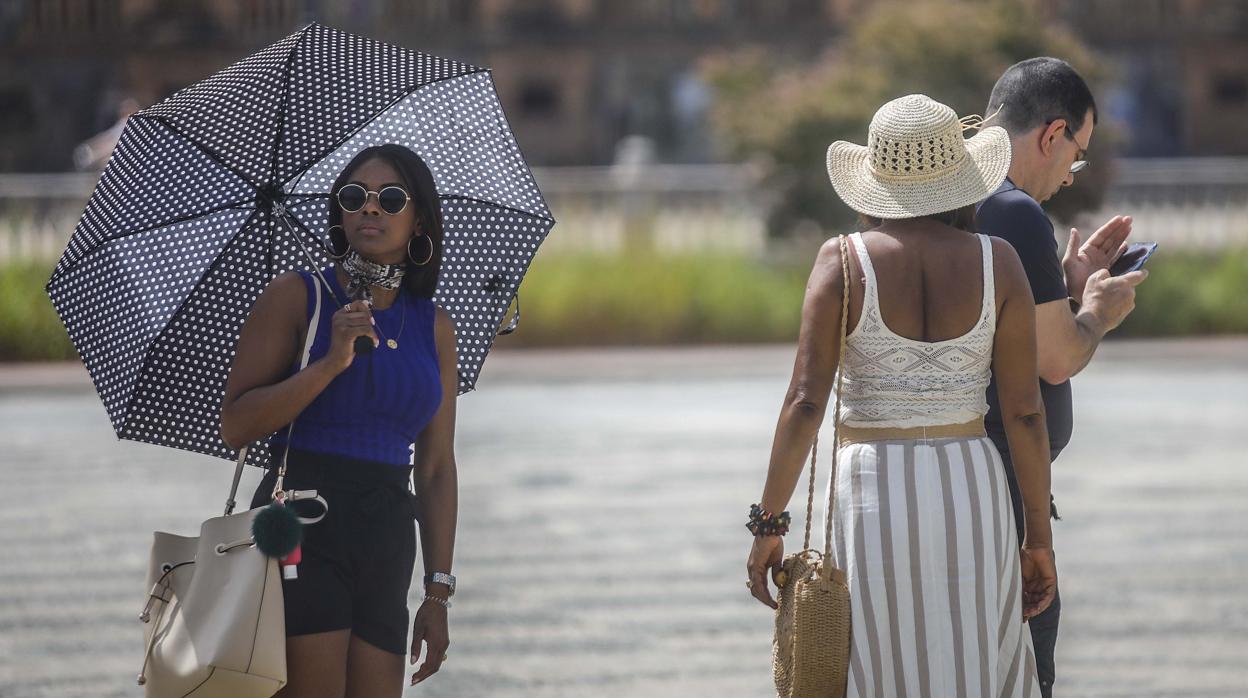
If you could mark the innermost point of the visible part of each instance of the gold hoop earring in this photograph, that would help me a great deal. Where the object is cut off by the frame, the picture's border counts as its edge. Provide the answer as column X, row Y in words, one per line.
column 428, row 257
column 334, row 254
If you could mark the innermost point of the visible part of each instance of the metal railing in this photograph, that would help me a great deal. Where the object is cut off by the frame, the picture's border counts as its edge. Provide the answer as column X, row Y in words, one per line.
column 1194, row 202
column 600, row 209
column 38, row 212
column 1199, row 202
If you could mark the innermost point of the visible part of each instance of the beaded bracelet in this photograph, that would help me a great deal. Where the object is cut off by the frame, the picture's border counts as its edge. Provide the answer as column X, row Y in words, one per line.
column 765, row 523
column 445, row 603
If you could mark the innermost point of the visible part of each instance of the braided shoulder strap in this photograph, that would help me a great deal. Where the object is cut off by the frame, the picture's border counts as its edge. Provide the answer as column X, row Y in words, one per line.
column 836, row 411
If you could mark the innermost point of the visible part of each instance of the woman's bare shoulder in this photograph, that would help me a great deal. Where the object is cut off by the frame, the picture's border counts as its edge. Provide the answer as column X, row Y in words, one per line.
column 443, row 326
column 286, row 283
column 825, row 278
column 284, row 296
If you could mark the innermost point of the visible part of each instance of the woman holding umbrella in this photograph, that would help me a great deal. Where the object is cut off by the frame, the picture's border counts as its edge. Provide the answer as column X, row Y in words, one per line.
column 209, row 195
column 364, row 423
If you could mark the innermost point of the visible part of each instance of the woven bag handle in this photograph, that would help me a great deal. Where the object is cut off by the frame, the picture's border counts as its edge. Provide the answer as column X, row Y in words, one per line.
column 836, row 411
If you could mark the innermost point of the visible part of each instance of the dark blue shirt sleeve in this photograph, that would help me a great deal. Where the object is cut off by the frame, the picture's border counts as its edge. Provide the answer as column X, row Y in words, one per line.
column 1017, row 218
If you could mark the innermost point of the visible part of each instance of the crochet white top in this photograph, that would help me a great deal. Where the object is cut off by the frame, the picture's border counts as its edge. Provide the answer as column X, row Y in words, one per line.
column 894, row 381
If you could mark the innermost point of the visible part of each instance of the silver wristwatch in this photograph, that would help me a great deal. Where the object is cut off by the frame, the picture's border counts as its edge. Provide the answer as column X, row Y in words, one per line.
column 441, row 578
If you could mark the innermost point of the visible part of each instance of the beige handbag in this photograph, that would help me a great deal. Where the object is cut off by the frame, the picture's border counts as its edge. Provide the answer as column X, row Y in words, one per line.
column 214, row 619
column 810, row 654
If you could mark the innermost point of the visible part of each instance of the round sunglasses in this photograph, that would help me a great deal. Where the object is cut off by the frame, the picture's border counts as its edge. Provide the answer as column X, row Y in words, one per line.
column 391, row 199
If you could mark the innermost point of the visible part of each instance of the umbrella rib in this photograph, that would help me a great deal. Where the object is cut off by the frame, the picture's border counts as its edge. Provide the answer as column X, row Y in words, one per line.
column 212, row 155
column 288, row 219
column 325, row 153
column 147, row 354
column 502, row 115
column 505, row 207
column 268, row 259
column 108, row 241
column 281, row 112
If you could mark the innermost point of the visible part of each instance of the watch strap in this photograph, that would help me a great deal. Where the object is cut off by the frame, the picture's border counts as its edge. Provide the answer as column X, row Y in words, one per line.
column 441, row 578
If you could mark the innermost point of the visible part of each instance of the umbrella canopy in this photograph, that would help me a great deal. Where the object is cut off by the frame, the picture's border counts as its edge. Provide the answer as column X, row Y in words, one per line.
column 213, row 192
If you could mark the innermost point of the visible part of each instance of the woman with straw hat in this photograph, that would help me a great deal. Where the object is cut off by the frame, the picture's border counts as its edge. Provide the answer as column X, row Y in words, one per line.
column 921, row 519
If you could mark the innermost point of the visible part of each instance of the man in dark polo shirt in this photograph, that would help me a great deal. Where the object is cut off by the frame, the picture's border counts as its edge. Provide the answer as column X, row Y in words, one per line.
column 1049, row 113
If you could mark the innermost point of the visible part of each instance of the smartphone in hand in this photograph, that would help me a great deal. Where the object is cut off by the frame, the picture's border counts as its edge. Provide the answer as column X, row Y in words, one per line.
column 1133, row 258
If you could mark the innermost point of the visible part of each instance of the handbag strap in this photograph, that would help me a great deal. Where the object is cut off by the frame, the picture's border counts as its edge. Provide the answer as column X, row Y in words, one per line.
column 303, row 363
column 836, row 413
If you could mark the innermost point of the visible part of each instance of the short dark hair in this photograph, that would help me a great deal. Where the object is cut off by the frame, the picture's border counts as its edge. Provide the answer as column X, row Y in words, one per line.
column 420, row 281
column 1038, row 91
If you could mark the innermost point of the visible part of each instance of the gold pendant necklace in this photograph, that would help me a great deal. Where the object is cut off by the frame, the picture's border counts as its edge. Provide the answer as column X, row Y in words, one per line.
column 393, row 343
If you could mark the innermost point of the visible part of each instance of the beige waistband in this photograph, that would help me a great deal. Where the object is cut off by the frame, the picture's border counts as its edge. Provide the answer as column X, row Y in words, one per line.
column 853, row 435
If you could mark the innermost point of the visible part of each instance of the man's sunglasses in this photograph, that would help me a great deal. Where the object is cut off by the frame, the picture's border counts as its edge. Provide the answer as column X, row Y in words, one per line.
column 391, row 199
column 1077, row 165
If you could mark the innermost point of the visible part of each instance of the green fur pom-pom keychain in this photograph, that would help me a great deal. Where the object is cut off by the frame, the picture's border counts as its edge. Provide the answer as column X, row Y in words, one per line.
column 277, row 530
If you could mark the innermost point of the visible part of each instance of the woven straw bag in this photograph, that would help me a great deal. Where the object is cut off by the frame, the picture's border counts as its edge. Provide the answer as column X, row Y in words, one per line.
column 810, row 653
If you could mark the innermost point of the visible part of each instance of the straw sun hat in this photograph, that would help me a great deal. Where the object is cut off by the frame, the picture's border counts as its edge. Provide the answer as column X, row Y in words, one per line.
column 917, row 163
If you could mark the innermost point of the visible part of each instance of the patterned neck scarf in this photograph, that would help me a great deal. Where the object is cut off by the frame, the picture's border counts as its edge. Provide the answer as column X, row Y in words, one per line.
column 365, row 274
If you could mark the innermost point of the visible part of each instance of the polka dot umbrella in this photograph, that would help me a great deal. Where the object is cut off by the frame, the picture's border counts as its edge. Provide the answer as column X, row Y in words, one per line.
column 224, row 185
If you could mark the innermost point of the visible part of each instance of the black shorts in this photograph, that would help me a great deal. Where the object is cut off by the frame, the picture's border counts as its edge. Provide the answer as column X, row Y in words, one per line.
column 357, row 561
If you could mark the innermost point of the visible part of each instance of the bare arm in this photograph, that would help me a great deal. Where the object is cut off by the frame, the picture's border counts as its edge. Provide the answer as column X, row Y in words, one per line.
column 1022, row 411
column 435, row 472
column 818, row 353
column 806, row 402
column 437, row 485
column 1018, row 390
column 1067, row 340
column 258, row 400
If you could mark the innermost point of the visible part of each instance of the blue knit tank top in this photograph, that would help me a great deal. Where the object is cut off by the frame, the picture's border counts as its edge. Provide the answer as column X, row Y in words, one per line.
column 376, row 409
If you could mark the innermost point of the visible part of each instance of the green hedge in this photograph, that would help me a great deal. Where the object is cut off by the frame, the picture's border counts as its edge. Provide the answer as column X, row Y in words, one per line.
column 1191, row 294
column 609, row 300
column 645, row 298
column 30, row 329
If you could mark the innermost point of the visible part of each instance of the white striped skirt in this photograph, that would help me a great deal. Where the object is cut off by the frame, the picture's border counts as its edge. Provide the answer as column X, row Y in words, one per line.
column 925, row 533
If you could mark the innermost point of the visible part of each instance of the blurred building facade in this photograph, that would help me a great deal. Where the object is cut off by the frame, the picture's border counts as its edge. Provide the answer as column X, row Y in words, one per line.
column 1182, row 71
column 577, row 76
column 591, row 83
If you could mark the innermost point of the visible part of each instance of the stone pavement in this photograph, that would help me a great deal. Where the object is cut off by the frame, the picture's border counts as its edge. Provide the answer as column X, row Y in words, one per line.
column 601, row 551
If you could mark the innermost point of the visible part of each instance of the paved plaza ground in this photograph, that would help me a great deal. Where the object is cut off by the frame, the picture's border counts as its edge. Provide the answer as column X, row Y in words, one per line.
column 601, row 549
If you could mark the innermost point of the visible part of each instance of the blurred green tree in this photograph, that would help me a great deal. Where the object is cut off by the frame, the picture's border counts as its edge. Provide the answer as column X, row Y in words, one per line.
column 785, row 113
